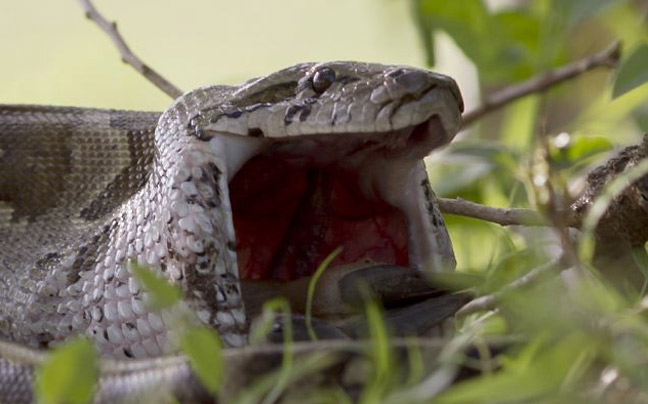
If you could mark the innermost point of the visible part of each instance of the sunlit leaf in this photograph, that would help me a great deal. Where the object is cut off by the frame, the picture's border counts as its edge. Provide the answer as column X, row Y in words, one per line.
column 464, row 163
column 466, row 22
column 545, row 374
column 640, row 258
column 519, row 125
column 203, row 347
column 494, row 153
column 633, row 72
column 494, row 325
column 287, row 362
column 307, row 367
column 380, row 354
column 579, row 10
column 464, row 174
column 273, row 309
column 641, row 117
column 593, row 297
column 455, row 280
column 579, row 149
column 630, row 354
column 520, row 27
column 163, row 294
column 69, row 375
column 424, row 29
column 519, row 53
column 505, row 46
column 584, row 147
column 311, row 290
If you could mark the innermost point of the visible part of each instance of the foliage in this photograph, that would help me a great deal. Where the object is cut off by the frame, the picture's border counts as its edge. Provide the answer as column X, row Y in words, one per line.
column 633, row 72
column 202, row 346
column 311, row 290
column 535, row 153
column 498, row 161
column 69, row 374
column 162, row 294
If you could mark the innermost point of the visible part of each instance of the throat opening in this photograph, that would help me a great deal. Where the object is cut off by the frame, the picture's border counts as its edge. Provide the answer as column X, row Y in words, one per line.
column 288, row 217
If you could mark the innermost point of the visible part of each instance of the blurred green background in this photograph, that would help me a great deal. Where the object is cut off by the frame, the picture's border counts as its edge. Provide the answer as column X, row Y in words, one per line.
column 51, row 54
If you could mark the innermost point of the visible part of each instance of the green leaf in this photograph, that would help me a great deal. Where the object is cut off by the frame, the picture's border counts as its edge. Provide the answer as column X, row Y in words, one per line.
column 494, row 325
column 467, row 22
column 163, row 294
column 265, row 388
column 465, row 163
column 579, row 10
column 69, row 374
column 203, row 347
column 270, row 308
column 585, row 147
column 579, row 149
column 424, row 30
column 640, row 257
column 311, row 290
column 632, row 73
column 641, row 117
column 380, row 354
column 504, row 45
column 546, row 374
column 456, row 280
column 518, row 57
column 519, row 127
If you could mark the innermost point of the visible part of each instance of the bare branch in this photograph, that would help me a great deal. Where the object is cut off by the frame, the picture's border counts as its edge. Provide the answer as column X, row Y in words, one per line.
column 488, row 302
column 606, row 58
column 501, row 216
column 110, row 28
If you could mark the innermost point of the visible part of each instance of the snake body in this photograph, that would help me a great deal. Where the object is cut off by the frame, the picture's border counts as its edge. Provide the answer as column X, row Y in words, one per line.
column 84, row 192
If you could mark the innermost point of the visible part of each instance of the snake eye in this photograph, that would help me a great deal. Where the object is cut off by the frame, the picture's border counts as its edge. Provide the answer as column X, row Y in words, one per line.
column 322, row 79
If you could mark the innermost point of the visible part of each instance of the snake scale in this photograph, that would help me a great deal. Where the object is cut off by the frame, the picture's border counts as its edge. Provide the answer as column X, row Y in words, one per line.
column 257, row 181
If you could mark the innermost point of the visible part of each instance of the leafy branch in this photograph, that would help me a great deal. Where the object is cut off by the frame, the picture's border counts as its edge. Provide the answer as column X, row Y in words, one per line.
column 544, row 81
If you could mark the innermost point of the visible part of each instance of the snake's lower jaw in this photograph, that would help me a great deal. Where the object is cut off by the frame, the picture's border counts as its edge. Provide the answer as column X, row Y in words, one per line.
column 295, row 201
column 412, row 304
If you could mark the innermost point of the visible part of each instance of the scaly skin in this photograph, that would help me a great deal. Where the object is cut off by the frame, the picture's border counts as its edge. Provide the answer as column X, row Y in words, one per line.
column 85, row 191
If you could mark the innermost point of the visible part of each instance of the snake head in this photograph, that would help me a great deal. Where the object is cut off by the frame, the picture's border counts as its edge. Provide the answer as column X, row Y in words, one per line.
column 321, row 155
column 286, row 168
column 342, row 98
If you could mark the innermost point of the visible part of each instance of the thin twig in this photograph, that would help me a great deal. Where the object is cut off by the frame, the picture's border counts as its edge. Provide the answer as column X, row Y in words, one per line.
column 501, row 216
column 606, row 58
column 110, row 28
column 488, row 302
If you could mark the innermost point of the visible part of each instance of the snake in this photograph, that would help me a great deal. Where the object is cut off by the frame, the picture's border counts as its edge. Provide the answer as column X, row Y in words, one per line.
column 229, row 184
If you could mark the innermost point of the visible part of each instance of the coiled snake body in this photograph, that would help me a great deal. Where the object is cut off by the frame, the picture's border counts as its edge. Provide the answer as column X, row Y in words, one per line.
column 257, row 181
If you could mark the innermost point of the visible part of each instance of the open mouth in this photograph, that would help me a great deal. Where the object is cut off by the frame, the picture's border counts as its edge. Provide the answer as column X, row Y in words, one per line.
column 299, row 199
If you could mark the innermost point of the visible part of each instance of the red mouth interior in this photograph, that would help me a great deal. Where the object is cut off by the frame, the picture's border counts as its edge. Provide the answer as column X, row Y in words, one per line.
column 289, row 218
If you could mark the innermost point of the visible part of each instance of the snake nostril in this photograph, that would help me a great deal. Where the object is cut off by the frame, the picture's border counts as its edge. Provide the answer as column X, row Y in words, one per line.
column 395, row 73
column 412, row 81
